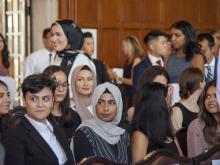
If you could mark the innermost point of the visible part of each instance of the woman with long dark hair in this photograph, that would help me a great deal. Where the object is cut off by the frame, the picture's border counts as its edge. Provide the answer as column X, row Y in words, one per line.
column 61, row 113
column 151, row 125
column 204, row 132
column 187, row 52
column 4, row 56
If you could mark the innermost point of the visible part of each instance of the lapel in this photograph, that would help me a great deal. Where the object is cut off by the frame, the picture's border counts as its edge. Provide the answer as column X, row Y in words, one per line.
column 147, row 62
column 38, row 139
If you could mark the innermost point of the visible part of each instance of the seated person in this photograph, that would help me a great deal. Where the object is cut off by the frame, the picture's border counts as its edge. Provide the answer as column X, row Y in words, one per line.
column 101, row 136
column 151, row 126
column 203, row 132
column 191, row 85
column 83, row 83
column 34, row 140
column 61, row 113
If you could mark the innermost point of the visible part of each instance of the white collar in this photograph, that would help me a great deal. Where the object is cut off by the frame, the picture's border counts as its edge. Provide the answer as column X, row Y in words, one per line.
column 212, row 63
column 154, row 59
column 39, row 125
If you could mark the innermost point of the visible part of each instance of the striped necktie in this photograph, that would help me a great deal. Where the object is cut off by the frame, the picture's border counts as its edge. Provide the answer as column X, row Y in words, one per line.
column 209, row 75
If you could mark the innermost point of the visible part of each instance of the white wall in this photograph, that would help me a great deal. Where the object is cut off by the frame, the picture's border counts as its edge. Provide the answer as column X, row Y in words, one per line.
column 44, row 12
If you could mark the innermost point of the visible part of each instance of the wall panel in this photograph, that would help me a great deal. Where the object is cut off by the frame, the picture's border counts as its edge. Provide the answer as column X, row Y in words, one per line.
column 115, row 19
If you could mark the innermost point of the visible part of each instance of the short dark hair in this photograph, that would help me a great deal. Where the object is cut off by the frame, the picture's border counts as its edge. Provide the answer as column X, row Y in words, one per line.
column 87, row 35
column 208, row 37
column 152, row 35
column 36, row 82
column 46, row 31
column 3, row 83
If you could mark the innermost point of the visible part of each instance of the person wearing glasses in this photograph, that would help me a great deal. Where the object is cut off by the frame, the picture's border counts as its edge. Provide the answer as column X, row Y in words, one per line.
column 101, row 136
column 61, row 113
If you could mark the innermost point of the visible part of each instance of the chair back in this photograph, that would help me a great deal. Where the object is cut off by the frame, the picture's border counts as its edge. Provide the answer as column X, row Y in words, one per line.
column 164, row 157
column 181, row 136
column 209, row 157
column 96, row 161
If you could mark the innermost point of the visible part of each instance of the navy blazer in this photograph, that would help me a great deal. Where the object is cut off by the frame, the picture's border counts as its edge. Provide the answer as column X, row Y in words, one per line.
column 138, row 71
column 25, row 146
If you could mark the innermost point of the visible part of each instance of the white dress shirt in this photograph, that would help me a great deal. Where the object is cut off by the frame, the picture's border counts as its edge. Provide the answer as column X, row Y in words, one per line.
column 154, row 60
column 37, row 62
column 46, row 131
column 212, row 65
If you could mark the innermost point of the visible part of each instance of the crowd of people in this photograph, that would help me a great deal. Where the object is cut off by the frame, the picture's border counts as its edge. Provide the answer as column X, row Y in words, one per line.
column 73, row 108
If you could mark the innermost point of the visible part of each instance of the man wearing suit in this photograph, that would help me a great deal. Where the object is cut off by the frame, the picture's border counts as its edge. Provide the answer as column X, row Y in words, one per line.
column 158, row 47
column 35, row 141
column 207, row 44
column 88, row 49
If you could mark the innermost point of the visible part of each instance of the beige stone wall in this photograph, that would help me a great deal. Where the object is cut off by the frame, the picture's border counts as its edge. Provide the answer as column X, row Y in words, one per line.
column 0, row 16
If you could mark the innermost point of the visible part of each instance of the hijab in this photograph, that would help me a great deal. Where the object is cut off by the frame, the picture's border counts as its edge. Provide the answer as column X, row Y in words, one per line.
column 73, row 34
column 109, row 131
column 81, row 104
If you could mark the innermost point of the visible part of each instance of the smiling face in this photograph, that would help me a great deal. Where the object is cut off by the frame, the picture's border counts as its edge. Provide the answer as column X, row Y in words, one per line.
column 62, row 86
column 106, row 108
column 58, row 38
column 39, row 104
column 4, row 100
column 84, row 83
column 211, row 103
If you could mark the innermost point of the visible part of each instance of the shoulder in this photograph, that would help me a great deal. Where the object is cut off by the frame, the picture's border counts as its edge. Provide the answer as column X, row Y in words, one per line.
column 176, row 110
column 74, row 114
column 196, row 124
column 139, row 136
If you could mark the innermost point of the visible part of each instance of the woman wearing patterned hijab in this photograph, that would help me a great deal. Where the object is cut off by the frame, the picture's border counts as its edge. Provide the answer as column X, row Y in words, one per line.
column 101, row 136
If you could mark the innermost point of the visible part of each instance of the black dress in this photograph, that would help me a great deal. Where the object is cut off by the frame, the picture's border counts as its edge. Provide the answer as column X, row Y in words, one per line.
column 169, row 146
column 188, row 116
column 69, row 128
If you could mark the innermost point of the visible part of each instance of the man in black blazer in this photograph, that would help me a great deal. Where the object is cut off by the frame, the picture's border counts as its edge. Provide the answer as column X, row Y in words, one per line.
column 207, row 43
column 158, row 47
column 88, row 49
column 35, row 141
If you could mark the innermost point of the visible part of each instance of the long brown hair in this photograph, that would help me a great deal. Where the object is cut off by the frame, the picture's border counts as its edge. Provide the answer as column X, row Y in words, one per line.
column 210, row 129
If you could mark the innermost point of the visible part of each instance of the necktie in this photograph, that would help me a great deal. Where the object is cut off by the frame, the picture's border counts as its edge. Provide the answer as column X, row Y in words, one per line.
column 209, row 75
column 159, row 62
column 50, row 58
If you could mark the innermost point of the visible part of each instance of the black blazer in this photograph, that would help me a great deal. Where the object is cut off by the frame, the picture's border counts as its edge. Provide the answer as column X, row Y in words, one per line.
column 25, row 146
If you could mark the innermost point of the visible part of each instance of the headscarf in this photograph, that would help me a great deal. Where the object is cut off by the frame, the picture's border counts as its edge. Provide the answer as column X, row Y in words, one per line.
column 81, row 104
column 72, row 32
column 109, row 131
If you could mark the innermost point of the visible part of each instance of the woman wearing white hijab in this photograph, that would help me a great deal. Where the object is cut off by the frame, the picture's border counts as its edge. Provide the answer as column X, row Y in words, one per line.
column 101, row 136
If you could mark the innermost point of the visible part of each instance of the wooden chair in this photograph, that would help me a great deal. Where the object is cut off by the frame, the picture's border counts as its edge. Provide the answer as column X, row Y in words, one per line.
column 181, row 136
column 209, row 156
column 164, row 157
column 96, row 161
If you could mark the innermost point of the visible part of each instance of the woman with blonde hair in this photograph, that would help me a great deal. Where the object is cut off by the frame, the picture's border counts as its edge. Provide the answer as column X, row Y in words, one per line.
column 132, row 49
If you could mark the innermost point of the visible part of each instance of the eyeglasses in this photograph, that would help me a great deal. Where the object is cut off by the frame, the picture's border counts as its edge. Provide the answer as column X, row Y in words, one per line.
column 63, row 85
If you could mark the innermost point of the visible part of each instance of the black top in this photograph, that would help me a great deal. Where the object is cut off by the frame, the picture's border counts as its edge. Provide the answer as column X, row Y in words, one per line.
column 188, row 116
column 25, row 146
column 101, row 71
column 88, row 143
column 69, row 128
column 169, row 146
